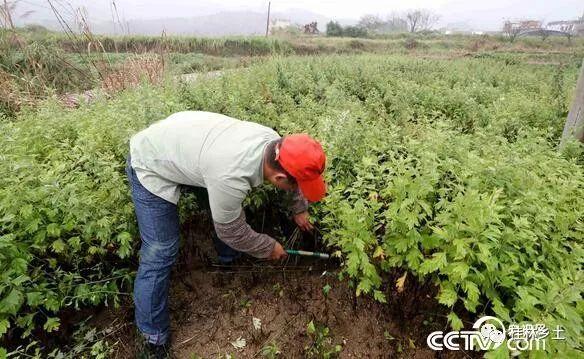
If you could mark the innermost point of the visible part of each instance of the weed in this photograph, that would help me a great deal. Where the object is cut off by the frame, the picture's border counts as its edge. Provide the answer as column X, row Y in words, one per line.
column 271, row 350
column 321, row 344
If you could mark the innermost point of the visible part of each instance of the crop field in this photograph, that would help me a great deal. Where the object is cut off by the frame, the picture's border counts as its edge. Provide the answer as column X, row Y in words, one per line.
column 448, row 200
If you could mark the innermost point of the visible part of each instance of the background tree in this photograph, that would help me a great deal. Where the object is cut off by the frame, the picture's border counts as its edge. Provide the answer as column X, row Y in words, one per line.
column 569, row 30
column 371, row 23
column 511, row 30
column 354, row 31
column 395, row 23
column 333, row 28
column 420, row 20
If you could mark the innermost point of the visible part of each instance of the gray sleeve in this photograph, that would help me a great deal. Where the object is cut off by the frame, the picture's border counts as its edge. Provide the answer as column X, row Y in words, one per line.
column 239, row 236
column 299, row 203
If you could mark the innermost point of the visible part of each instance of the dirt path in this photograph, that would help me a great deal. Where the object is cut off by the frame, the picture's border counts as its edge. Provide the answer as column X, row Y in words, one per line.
column 193, row 77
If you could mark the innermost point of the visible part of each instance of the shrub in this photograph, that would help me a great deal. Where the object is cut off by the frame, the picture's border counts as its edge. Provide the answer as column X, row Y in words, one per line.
column 333, row 28
column 66, row 220
column 425, row 175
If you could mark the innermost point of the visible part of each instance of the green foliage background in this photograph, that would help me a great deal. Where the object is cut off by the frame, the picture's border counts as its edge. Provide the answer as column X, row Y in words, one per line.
column 448, row 169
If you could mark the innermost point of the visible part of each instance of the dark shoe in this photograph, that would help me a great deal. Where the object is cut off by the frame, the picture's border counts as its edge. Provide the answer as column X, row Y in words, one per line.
column 147, row 350
column 225, row 254
column 151, row 351
column 229, row 260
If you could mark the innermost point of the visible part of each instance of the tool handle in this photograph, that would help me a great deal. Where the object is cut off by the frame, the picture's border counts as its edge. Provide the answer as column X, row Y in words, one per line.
column 308, row 254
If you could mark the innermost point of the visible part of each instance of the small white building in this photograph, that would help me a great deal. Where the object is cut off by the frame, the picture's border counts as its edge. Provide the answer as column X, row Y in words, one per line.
column 276, row 24
column 575, row 27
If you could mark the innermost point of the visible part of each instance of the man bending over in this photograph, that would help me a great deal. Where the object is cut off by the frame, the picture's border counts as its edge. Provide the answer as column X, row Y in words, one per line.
column 227, row 157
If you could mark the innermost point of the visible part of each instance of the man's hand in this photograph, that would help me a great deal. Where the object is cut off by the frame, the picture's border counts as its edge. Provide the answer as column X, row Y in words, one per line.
column 302, row 220
column 278, row 252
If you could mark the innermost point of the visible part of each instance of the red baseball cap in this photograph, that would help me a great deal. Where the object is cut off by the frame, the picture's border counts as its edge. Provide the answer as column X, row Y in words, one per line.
column 303, row 158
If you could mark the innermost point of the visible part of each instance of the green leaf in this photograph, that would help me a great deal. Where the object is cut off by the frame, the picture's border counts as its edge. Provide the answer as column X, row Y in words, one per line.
column 4, row 325
column 326, row 289
column 538, row 354
column 125, row 241
column 75, row 243
column 501, row 311
column 58, row 246
column 414, row 257
column 310, row 329
column 364, row 286
column 34, row 299
column 455, row 322
column 502, row 352
column 447, row 295
column 18, row 281
column 12, row 302
column 19, row 265
column 53, row 230
column 472, row 295
column 402, row 245
column 437, row 262
column 26, row 322
column 458, row 270
column 52, row 304
column 52, row 324
column 379, row 296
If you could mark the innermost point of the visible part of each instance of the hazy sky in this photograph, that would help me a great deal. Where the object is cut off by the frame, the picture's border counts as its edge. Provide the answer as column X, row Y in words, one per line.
column 485, row 15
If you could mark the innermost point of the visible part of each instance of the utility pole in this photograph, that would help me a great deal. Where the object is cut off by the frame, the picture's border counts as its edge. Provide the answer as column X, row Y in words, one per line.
column 268, row 21
column 574, row 127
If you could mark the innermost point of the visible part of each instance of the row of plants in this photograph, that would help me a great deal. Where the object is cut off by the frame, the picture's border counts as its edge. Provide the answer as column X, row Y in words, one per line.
column 218, row 46
column 67, row 227
column 448, row 170
column 299, row 45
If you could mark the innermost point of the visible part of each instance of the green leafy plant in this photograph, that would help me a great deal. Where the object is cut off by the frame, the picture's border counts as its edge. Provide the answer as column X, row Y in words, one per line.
column 321, row 344
column 446, row 170
column 325, row 290
column 67, row 229
column 271, row 350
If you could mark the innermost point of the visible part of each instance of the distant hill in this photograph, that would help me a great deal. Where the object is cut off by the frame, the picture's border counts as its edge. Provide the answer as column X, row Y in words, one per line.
column 218, row 24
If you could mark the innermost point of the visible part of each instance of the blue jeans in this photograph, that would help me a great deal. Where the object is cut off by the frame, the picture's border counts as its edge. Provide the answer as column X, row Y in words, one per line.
column 158, row 223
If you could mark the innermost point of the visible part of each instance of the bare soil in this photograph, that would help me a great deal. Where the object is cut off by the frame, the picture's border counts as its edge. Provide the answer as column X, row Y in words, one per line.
column 212, row 306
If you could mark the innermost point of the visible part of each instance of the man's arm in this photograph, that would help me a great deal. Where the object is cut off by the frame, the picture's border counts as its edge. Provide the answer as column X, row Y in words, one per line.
column 239, row 236
column 299, row 203
column 299, row 209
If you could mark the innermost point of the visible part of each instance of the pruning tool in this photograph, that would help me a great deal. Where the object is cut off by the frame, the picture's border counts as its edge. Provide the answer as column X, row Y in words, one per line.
column 308, row 254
